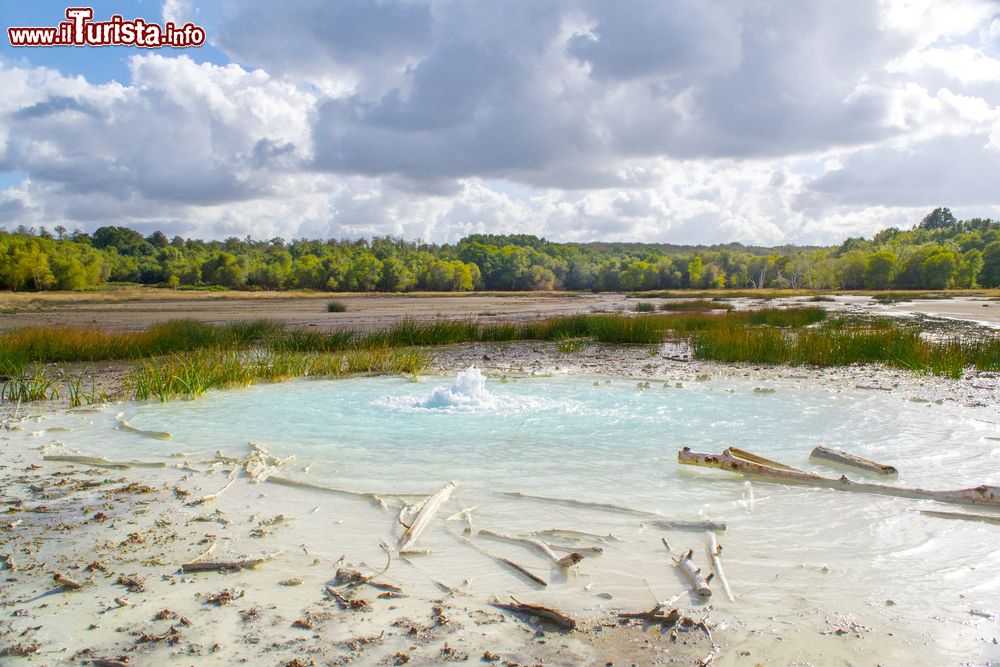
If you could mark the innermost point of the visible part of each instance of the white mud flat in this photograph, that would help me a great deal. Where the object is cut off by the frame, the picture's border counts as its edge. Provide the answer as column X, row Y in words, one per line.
column 580, row 463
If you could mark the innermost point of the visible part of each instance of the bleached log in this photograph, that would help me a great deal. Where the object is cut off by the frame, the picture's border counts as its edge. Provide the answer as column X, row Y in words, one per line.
column 671, row 524
column 837, row 457
column 685, row 562
column 101, row 462
column 980, row 495
column 427, row 512
column 156, row 435
column 715, row 554
column 982, row 518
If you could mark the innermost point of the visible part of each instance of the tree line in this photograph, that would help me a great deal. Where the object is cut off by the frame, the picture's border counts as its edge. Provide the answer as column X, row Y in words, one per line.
column 939, row 252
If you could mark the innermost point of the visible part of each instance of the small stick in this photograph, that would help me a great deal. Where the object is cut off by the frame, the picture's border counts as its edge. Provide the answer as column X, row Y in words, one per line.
column 685, row 562
column 837, row 457
column 715, row 553
column 215, row 496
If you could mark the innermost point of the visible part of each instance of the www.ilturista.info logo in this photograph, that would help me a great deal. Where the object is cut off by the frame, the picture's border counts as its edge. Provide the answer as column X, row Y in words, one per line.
column 80, row 30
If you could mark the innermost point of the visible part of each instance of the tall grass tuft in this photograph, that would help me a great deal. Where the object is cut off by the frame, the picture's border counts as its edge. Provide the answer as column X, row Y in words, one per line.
column 698, row 305
column 336, row 306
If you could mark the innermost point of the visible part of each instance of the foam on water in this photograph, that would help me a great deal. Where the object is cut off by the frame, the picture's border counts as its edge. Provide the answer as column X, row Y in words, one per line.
column 467, row 391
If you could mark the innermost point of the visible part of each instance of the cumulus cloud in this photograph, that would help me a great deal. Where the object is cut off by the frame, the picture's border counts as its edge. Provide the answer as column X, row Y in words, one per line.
column 689, row 121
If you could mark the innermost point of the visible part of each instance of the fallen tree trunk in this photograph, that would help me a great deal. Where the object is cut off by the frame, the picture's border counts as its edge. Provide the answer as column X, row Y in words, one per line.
column 427, row 512
column 841, row 458
column 980, row 495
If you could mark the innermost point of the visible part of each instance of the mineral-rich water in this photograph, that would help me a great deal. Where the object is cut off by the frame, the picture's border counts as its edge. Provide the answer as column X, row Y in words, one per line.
column 802, row 561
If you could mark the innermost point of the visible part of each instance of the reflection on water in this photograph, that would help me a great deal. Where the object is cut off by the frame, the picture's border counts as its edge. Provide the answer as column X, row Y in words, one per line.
column 796, row 556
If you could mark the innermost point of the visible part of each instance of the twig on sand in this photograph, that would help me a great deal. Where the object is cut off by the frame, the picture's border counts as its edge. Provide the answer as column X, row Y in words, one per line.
column 214, row 496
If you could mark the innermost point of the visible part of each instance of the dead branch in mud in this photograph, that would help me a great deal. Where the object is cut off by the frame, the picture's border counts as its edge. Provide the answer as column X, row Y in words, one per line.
column 836, row 457
column 549, row 614
column 654, row 615
column 980, row 495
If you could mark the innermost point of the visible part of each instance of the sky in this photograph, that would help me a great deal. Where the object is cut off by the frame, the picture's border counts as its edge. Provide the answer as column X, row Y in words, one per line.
column 682, row 121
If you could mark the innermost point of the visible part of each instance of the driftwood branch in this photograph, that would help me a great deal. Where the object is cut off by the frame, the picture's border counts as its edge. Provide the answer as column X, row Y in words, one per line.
column 688, row 525
column 836, row 457
column 580, row 503
column 685, row 562
column 980, row 495
column 424, row 516
column 573, row 558
column 715, row 554
column 553, row 616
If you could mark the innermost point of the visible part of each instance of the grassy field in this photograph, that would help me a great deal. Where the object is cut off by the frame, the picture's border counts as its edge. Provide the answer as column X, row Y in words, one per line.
column 188, row 357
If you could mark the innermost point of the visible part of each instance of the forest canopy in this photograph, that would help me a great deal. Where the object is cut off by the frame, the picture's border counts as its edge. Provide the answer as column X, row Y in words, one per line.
column 939, row 252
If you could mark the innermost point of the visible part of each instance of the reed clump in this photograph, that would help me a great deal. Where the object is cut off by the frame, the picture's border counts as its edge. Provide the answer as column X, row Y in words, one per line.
column 698, row 305
column 191, row 375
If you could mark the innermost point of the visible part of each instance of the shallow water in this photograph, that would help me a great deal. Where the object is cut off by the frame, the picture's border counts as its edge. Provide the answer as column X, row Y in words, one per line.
column 802, row 562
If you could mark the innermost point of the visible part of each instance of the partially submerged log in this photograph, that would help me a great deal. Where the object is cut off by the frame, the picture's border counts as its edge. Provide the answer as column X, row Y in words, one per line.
column 715, row 554
column 982, row 518
column 754, row 458
column 553, row 616
column 842, row 458
column 156, row 435
column 376, row 498
column 573, row 535
column 101, row 462
column 573, row 558
column 671, row 524
column 427, row 512
column 980, row 495
column 699, row 583
column 580, row 503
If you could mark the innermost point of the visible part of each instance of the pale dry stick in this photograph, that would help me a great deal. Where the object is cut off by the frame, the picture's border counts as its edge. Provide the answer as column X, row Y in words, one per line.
column 715, row 554
column 980, row 495
column 375, row 498
column 427, row 512
column 573, row 534
column 215, row 496
column 686, row 563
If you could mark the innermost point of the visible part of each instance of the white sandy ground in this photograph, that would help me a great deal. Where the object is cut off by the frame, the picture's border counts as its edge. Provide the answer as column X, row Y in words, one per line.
column 137, row 522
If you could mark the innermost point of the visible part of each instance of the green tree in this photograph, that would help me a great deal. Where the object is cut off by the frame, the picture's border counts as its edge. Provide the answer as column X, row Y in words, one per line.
column 878, row 269
column 989, row 273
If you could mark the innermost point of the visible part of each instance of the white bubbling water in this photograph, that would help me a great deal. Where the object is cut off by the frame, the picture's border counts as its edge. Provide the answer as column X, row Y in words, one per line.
column 467, row 391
